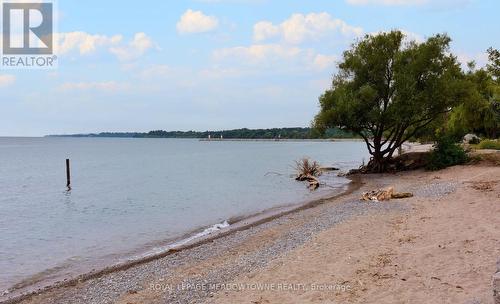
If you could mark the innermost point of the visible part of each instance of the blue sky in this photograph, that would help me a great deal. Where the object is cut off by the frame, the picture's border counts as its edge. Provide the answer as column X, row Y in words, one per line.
column 213, row 64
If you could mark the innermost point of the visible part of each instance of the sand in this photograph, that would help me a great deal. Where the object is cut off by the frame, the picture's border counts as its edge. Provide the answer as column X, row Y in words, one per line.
column 440, row 246
column 443, row 251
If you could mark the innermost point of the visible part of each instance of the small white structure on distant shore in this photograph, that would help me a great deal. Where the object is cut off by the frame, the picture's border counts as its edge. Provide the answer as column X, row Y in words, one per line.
column 209, row 136
column 221, row 137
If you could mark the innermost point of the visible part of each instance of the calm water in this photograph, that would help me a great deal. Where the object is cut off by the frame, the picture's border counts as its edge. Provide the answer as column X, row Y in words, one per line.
column 130, row 193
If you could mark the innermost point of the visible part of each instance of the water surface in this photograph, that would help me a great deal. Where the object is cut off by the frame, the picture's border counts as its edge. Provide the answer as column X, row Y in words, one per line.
column 130, row 193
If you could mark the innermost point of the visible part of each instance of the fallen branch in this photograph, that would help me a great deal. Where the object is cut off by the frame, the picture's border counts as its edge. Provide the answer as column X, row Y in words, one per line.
column 384, row 194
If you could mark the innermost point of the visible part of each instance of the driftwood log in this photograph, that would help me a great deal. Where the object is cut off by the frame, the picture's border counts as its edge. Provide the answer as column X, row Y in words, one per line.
column 384, row 195
column 327, row 169
column 312, row 180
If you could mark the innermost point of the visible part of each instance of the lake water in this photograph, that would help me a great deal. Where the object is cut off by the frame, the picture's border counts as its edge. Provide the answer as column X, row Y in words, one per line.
column 128, row 194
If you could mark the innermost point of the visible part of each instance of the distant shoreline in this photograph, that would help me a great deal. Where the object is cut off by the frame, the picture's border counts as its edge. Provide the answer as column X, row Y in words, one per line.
column 283, row 139
column 222, row 139
column 244, row 133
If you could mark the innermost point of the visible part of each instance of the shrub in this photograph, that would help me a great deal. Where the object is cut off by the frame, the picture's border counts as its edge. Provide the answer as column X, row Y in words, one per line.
column 446, row 153
column 489, row 144
column 307, row 167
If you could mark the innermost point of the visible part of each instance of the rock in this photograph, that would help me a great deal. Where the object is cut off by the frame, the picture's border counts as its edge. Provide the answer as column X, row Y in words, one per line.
column 471, row 139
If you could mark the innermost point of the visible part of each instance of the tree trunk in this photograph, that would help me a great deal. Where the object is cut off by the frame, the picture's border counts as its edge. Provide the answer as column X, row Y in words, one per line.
column 377, row 164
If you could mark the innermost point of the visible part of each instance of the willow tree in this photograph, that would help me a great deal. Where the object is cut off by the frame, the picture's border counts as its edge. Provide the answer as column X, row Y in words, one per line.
column 479, row 112
column 388, row 89
column 494, row 69
column 494, row 64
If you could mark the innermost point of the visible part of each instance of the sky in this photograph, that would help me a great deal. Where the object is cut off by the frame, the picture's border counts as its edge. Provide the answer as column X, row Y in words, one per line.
column 214, row 64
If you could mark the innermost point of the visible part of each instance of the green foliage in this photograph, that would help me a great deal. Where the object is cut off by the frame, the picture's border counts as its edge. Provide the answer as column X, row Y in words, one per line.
column 388, row 91
column 446, row 153
column 477, row 113
column 489, row 144
column 494, row 65
column 275, row 133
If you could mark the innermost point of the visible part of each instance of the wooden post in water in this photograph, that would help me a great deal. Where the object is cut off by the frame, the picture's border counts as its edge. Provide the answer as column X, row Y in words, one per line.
column 68, row 174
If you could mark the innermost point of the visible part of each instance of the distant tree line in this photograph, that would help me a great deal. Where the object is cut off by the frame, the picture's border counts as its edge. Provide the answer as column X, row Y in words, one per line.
column 274, row 133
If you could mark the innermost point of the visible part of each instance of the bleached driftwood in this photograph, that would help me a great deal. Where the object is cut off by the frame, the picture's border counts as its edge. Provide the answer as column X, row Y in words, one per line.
column 384, row 195
column 312, row 180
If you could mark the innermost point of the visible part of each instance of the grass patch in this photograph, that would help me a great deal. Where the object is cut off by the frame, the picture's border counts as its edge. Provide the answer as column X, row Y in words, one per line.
column 492, row 159
column 489, row 144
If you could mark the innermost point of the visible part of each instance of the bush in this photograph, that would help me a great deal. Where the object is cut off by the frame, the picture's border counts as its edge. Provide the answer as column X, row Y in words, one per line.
column 446, row 153
column 307, row 167
column 489, row 144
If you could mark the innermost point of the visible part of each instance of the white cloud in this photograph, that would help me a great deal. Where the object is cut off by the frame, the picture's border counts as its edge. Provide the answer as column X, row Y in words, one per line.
column 196, row 22
column 83, row 42
column 264, row 30
column 6, row 80
column 258, row 52
column 135, row 48
column 264, row 55
column 100, row 86
column 322, row 62
column 299, row 28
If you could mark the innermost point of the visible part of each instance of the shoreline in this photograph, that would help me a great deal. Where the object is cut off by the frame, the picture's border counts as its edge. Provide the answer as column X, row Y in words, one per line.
column 444, row 248
column 175, row 245
column 439, row 246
